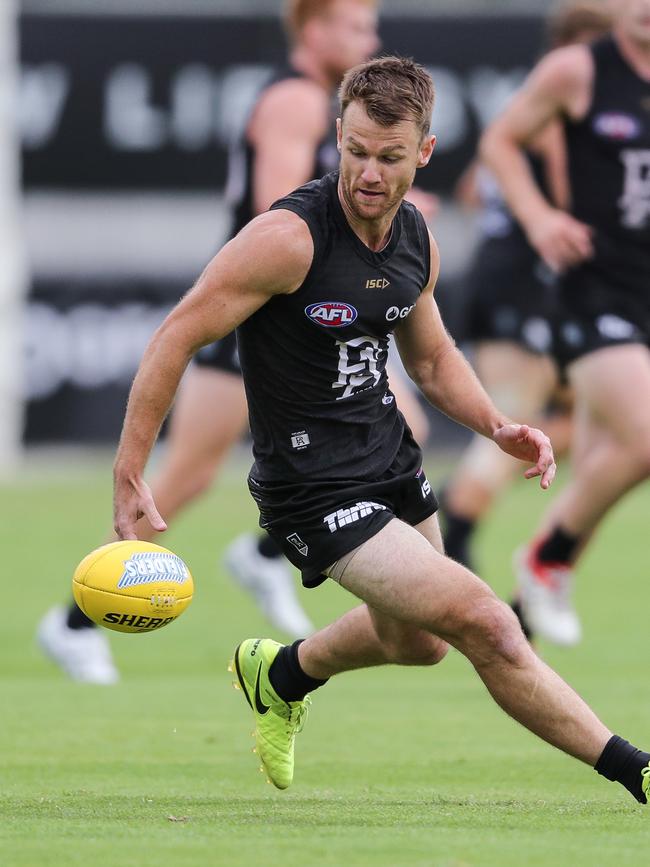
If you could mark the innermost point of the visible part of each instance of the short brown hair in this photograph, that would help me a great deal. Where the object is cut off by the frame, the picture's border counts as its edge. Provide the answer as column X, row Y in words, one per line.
column 574, row 17
column 298, row 12
column 391, row 89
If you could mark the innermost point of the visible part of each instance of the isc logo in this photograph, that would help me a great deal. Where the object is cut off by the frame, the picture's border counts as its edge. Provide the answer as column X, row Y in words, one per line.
column 331, row 314
column 377, row 283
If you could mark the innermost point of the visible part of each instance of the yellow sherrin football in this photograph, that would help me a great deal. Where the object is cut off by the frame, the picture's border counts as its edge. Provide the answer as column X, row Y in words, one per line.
column 132, row 586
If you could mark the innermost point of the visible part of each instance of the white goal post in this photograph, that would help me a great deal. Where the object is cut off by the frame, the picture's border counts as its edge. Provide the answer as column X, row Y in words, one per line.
column 13, row 277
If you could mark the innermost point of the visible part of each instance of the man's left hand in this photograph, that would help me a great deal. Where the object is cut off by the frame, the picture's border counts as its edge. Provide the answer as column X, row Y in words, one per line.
column 530, row 445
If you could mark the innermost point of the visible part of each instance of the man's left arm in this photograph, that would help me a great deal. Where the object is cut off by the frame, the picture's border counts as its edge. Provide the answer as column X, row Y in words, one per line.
column 441, row 372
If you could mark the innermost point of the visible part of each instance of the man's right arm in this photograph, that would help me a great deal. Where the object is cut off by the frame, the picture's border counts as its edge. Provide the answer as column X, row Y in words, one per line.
column 270, row 256
column 559, row 86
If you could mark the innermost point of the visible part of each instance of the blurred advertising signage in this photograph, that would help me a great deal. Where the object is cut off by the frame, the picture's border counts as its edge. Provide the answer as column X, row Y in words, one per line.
column 83, row 343
column 153, row 103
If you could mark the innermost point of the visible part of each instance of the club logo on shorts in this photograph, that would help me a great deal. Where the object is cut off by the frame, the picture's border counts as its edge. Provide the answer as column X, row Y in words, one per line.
column 342, row 517
column 300, row 546
column 573, row 334
column 331, row 314
column 615, row 328
column 612, row 124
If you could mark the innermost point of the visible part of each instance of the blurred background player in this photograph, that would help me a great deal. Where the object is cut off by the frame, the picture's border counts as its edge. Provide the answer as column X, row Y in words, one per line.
column 601, row 95
column 289, row 139
column 509, row 311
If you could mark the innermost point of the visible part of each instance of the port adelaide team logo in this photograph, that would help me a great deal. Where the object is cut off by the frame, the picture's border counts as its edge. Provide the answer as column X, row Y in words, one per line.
column 331, row 314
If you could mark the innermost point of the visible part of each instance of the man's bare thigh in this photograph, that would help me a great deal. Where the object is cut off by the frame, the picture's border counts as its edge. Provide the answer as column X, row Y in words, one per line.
column 612, row 386
column 401, row 573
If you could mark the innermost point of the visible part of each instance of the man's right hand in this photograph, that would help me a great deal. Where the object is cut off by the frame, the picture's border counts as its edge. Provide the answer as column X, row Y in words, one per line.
column 132, row 500
column 560, row 239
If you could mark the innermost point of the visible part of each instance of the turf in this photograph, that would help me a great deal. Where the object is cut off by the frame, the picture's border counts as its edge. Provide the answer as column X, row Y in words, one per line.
column 395, row 767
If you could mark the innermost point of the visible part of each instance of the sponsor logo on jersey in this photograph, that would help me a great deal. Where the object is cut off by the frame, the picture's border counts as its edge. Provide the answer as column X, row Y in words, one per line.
column 394, row 313
column 148, row 566
column 612, row 124
column 300, row 546
column 377, row 283
column 635, row 201
column 343, row 517
column 331, row 314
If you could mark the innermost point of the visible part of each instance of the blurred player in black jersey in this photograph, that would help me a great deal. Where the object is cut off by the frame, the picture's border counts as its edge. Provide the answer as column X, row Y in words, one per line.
column 601, row 95
column 509, row 312
column 288, row 140
column 316, row 286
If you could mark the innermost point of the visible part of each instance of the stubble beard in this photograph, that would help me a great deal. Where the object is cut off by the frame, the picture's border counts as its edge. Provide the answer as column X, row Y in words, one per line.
column 389, row 205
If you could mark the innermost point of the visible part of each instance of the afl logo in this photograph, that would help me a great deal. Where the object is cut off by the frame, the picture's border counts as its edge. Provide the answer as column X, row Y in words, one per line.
column 617, row 126
column 331, row 314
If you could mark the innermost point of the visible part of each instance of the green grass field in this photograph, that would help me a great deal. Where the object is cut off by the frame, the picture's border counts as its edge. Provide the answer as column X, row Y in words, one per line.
column 395, row 767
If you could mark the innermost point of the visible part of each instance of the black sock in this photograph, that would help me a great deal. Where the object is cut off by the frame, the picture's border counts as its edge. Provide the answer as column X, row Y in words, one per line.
column 268, row 548
column 458, row 534
column 77, row 619
column 558, row 547
column 525, row 626
column 287, row 677
column 622, row 763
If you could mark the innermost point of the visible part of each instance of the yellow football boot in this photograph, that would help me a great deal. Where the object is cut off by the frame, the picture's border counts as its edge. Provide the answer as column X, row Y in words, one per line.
column 277, row 722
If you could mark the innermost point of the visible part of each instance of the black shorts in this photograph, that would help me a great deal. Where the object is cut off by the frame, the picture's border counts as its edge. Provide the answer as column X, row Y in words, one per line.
column 315, row 524
column 597, row 311
column 509, row 295
column 222, row 355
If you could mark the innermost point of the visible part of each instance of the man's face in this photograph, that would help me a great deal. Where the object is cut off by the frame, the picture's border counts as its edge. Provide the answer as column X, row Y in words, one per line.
column 378, row 163
column 347, row 36
column 633, row 17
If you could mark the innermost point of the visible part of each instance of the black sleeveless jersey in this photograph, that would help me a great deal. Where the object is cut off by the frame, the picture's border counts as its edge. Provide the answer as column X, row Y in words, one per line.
column 314, row 362
column 239, row 188
column 609, row 166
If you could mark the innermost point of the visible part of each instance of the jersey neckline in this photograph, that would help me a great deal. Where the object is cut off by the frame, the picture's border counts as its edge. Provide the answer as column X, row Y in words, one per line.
column 618, row 51
column 373, row 258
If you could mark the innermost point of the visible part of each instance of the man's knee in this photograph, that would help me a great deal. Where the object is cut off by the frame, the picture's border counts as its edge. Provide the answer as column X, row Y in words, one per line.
column 492, row 632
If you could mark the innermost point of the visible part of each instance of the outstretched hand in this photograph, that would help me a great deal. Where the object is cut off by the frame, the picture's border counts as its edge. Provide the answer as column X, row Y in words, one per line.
column 530, row 445
column 132, row 500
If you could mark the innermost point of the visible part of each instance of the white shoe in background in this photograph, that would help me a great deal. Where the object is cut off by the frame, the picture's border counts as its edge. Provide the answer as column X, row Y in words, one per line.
column 271, row 584
column 83, row 654
column 545, row 591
